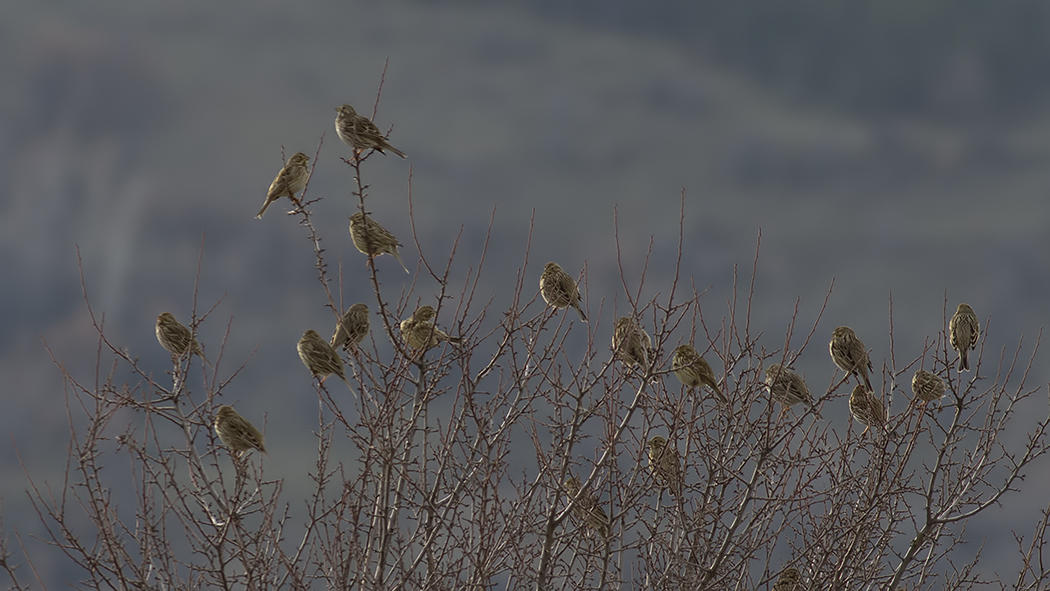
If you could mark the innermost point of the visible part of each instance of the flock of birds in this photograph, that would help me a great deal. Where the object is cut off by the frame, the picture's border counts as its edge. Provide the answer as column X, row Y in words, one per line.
column 631, row 344
column 319, row 356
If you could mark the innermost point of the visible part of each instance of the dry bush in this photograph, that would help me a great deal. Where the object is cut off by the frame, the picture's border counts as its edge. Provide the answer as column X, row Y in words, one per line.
column 461, row 453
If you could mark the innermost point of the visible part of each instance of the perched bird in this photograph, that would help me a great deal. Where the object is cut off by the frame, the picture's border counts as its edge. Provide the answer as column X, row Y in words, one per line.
column 849, row 354
column 372, row 239
column 868, row 410
column 559, row 289
column 665, row 465
column 420, row 332
column 319, row 357
column 964, row 330
column 352, row 328
column 236, row 432
column 586, row 509
column 788, row 580
column 358, row 131
column 631, row 343
column 288, row 182
column 788, row 388
column 693, row 370
column 927, row 386
column 176, row 338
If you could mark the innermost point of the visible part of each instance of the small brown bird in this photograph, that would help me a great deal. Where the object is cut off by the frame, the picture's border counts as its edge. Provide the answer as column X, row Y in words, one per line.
column 236, row 432
column 358, row 132
column 665, row 465
column 559, row 289
column 849, row 354
column 631, row 343
column 927, row 386
column 693, row 370
column 288, row 182
column 788, row 388
column 868, row 410
column 420, row 333
column 319, row 357
column 352, row 328
column 788, row 580
column 587, row 510
column 176, row 338
column 964, row 330
column 372, row 239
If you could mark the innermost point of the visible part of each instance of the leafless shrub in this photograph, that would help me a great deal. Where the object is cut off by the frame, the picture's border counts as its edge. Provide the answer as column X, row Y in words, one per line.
column 444, row 493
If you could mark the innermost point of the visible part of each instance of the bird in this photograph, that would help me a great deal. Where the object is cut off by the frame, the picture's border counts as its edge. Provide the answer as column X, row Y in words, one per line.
column 665, row 465
column 631, row 343
column 358, row 131
column 849, row 354
column 288, row 182
column 788, row 580
column 788, row 388
column 176, row 338
column 420, row 333
column 559, row 289
column 927, row 386
column 319, row 357
column 964, row 329
column 693, row 370
column 372, row 239
column 868, row 410
column 351, row 328
column 586, row 508
column 236, row 432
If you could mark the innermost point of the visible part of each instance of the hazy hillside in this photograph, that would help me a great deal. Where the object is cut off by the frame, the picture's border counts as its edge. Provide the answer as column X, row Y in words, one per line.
column 943, row 59
column 131, row 130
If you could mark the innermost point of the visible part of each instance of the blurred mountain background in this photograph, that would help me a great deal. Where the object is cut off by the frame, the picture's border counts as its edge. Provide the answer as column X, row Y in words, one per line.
column 894, row 147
